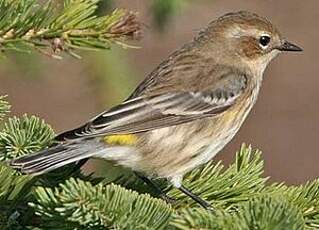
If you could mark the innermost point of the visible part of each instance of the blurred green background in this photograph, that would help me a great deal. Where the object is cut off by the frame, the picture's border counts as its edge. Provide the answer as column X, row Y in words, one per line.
column 284, row 124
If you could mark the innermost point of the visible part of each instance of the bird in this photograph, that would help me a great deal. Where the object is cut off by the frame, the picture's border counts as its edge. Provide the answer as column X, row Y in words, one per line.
column 183, row 113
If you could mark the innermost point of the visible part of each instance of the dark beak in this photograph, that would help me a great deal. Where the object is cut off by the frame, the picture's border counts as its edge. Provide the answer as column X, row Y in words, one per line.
column 287, row 46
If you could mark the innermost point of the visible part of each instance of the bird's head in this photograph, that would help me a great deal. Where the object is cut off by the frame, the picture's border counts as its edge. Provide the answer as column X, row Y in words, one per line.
column 246, row 37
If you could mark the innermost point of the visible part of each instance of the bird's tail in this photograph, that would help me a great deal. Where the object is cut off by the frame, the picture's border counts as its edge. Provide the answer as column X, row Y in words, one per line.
column 56, row 157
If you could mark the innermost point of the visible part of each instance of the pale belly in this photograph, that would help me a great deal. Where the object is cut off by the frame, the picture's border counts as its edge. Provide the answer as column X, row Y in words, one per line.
column 176, row 150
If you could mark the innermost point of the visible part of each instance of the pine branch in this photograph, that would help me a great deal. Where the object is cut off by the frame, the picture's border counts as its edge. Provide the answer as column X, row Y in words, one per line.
column 11, row 184
column 26, row 25
column 79, row 204
column 257, row 213
column 15, row 191
column 24, row 135
column 304, row 197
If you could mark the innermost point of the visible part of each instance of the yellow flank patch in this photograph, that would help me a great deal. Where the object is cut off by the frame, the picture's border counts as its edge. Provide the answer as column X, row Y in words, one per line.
column 121, row 139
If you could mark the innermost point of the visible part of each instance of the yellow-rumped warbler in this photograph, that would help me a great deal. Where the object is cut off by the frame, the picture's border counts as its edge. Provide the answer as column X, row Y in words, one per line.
column 184, row 112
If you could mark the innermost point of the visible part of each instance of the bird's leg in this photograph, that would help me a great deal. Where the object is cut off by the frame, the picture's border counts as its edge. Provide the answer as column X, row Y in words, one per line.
column 156, row 188
column 197, row 199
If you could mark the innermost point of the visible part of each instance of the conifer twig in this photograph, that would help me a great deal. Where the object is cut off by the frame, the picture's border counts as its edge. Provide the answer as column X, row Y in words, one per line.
column 26, row 25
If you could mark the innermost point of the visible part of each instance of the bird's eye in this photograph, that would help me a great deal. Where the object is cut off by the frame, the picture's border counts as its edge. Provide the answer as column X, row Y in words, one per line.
column 264, row 41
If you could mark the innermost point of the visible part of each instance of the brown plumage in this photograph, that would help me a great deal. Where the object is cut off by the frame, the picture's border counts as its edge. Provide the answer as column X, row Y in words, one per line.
column 184, row 112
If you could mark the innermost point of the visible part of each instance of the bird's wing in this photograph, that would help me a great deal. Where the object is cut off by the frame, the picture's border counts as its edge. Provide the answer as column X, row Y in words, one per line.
column 146, row 113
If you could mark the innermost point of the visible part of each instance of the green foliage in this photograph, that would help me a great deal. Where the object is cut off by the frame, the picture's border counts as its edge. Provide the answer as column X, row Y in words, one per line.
column 4, row 107
column 24, row 135
column 15, row 190
column 304, row 197
column 78, row 203
column 11, row 184
column 27, row 24
column 265, row 212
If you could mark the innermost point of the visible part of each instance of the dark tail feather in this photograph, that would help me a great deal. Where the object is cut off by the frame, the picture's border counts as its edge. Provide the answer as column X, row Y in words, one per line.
column 55, row 157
